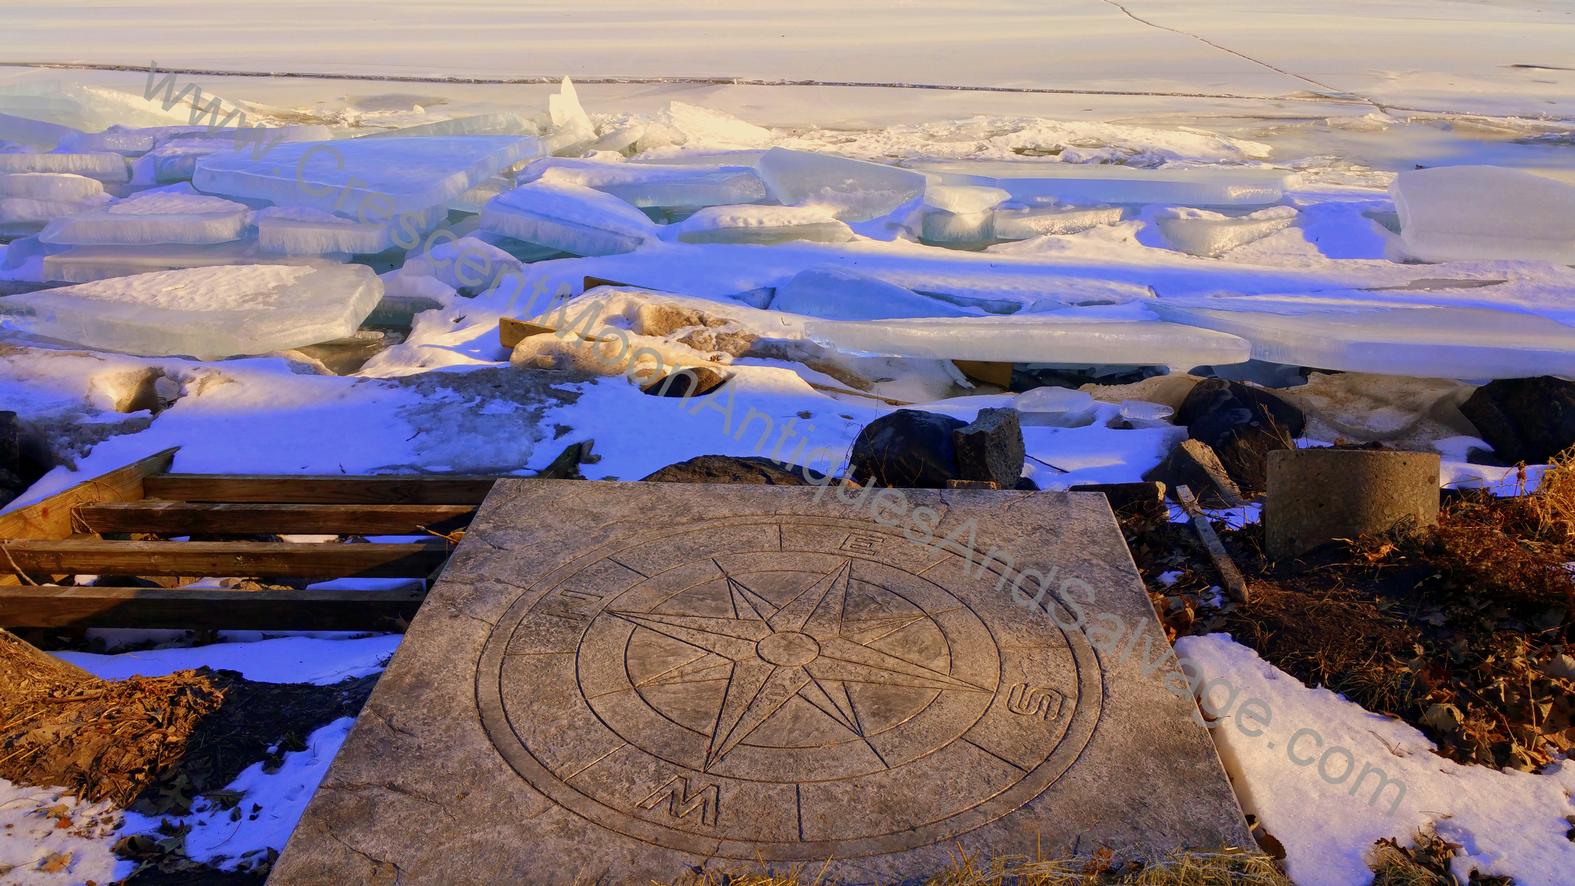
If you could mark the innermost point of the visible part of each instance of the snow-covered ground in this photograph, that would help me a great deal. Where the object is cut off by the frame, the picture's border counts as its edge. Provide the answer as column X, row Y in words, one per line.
column 1160, row 107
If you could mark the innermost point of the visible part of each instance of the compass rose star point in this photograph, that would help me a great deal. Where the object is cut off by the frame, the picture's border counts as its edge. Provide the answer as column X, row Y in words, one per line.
column 779, row 653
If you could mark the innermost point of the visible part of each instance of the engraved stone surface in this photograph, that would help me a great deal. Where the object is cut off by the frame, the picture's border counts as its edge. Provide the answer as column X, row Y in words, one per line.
column 617, row 682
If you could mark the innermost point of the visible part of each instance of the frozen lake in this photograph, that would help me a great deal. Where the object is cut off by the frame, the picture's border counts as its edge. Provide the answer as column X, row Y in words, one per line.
column 1509, row 57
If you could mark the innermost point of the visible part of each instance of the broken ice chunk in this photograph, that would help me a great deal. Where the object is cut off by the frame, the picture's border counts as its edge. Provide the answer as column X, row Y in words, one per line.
column 176, row 160
column 572, row 127
column 368, row 178
column 206, row 313
column 117, row 139
column 854, row 190
column 61, row 187
column 957, row 229
column 1354, row 334
column 29, row 215
column 1027, row 222
column 476, row 124
column 152, row 217
column 297, row 230
column 84, row 264
column 1212, row 234
column 963, row 199
column 761, row 224
column 105, row 167
column 1143, row 414
column 651, row 185
column 472, row 200
column 839, row 294
column 1464, row 213
column 570, row 218
column 1054, row 407
column 1068, row 336
column 959, row 215
column 714, row 130
column 33, row 133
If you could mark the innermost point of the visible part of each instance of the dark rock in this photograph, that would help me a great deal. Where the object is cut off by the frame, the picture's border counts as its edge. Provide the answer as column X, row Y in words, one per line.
column 1026, row 484
column 1194, row 465
column 1138, row 505
column 1026, row 378
column 751, row 470
column 908, row 448
column 1242, row 424
column 1524, row 419
column 11, row 482
column 991, row 448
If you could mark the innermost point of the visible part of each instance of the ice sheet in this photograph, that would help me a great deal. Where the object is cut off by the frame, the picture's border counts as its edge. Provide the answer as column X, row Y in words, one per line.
column 152, row 217
column 761, row 224
column 295, row 230
column 840, row 294
column 1461, row 213
column 1069, row 336
column 855, row 190
column 105, row 167
column 84, row 264
column 205, row 312
column 570, row 218
column 1103, row 183
column 368, row 178
column 1205, row 233
column 1356, row 334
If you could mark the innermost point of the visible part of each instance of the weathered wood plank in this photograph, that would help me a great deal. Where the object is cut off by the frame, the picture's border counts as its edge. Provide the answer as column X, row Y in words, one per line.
column 222, row 558
column 204, row 518
column 51, row 518
column 1231, row 579
column 204, row 608
column 414, row 489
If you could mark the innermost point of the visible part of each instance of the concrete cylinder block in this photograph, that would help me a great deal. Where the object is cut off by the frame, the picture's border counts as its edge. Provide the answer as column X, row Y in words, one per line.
column 1316, row 495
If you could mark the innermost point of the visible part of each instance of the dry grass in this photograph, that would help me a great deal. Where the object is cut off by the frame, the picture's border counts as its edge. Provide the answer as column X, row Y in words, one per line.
column 1225, row 868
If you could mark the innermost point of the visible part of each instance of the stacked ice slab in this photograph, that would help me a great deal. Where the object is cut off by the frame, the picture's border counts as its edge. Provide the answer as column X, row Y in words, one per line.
column 178, row 215
column 365, row 194
column 31, row 200
column 206, row 313
column 1461, row 213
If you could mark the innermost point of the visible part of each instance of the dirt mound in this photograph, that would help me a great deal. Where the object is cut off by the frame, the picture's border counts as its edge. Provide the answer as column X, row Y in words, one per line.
column 105, row 740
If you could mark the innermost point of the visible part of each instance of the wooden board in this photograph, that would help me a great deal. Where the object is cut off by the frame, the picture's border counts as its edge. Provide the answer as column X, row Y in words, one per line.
column 427, row 489
column 201, row 518
column 511, row 331
column 51, row 518
column 230, row 558
column 202, row 608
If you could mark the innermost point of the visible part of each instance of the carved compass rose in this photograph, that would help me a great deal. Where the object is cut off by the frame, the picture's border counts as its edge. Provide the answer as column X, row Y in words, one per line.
column 783, row 688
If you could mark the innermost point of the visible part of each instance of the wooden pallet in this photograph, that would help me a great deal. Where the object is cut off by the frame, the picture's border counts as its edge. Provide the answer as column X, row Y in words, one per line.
column 141, row 522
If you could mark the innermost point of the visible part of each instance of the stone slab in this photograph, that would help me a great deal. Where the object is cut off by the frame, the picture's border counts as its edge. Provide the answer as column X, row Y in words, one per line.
column 621, row 682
